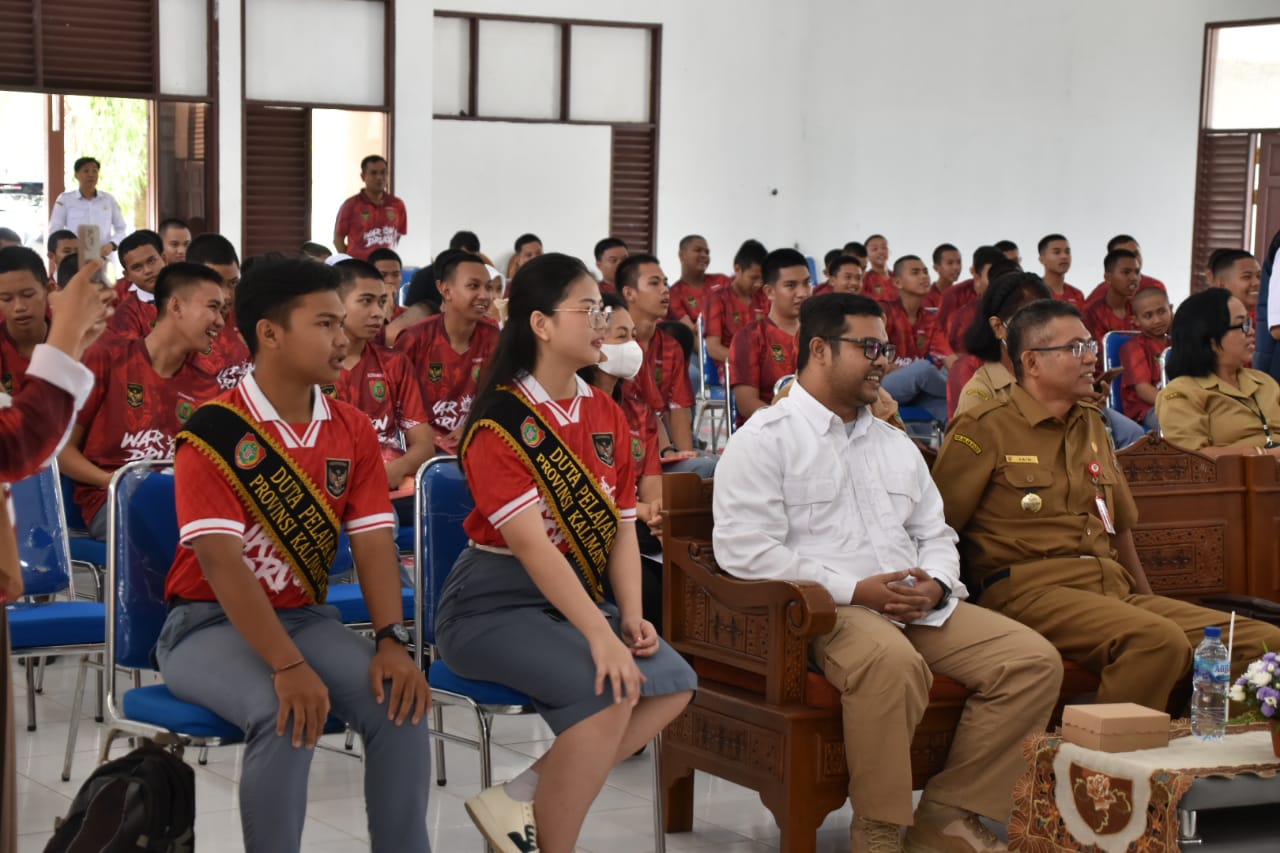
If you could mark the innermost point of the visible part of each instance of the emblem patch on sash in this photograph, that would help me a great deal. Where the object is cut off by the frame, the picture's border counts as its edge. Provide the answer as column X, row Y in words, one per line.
column 336, row 472
column 530, row 433
column 379, row 389
column 778, row 355
column 435, row 371
column 133, row 395
column 248, row 452
column 603, row 443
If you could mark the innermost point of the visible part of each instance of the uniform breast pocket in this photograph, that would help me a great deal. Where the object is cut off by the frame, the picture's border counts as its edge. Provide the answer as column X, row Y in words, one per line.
column 904, row 494
column 811, row 504
column 1030, row 483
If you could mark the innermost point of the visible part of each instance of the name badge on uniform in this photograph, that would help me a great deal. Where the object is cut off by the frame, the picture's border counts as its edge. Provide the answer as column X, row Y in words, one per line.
column 1104, row 513
column 1024, row 460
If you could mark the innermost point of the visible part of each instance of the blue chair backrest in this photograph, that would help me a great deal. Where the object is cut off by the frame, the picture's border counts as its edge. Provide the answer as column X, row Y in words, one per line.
column 71, row 509
column 446, row 502
column 344, row 561
column 1112, row 343
column 43, row 550
column 710, row 372
column 813, row 270
column 142, row 542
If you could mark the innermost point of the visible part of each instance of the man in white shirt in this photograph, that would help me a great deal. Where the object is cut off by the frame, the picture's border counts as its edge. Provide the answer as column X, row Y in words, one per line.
column 89, row 205
column 815, row 488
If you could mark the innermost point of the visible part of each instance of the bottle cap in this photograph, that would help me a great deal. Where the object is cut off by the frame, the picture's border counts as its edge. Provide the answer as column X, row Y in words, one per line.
column 1212, row 632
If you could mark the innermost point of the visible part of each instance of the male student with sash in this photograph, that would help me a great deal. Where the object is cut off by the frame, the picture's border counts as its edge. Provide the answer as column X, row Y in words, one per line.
column 145, row 388
column 267, row 476
column 449, row 350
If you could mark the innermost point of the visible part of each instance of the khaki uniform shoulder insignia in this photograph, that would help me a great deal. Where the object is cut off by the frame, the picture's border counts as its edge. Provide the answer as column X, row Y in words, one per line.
column 967, row 442
column 1173, row 395
column 977, row 392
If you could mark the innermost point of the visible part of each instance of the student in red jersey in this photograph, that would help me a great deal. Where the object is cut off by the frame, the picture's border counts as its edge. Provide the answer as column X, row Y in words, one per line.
column 610, row 252
column 248, row 634
column 956, row 312
column 34, row 423
column 689, row 295
column 381, row 383
column 524, row 605
column 825, row 286
column 526, row 248
column 228, row 359
column 176, row 237
column 948, row 265
column 1239, row 272
column 765, row 351
column 141, row 254
column 917, row 376
column 1143, row 356
column 878, row 282
column 731, row 308
column 61, row 244
column 1124, row 241
column 24, row 304
column 372, row 218
column 421, row 302
column 1110, row 310
column 859, row 251
column 1011, row 252
column 391, row 268
column 1055, row 257
column 145, row 388
column 846, row 274
column 447, row 352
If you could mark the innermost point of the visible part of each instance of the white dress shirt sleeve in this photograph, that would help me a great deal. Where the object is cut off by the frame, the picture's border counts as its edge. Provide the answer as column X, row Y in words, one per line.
column 58, row 222
column 119, row 228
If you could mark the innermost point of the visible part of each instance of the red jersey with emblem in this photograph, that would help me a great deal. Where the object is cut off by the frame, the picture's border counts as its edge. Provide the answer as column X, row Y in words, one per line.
column 1141, row 358
column 133, row 317
column 933, row 299
column 13, row 364
column 922, row 339
column 338, row 452
column 642, row 403
column 382, row 385
column 133, row 412
column 761, row 354
column 369, row 225
column 1100, row 319
column 728, row 312
column 879, row 287
column 1071, row 294
column 689, row 301
column 664, row 361
column 590, row 424
column 449, row 379
column 228, row 359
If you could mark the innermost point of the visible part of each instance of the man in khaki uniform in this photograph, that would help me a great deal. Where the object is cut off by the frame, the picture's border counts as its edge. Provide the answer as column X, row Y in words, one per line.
column 1046, row 521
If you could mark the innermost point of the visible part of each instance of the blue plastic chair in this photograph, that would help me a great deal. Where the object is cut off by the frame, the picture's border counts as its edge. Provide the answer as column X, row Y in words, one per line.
column 1112, row 343
column 50, row 627
column 442, row 502
column 713, row 397
column 85, row 550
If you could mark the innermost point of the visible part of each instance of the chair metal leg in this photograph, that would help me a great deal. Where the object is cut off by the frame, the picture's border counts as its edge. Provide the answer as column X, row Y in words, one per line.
column 102, row 668
column 659, row 836
column 73, row 728
column 351, row 739
column 31, row 693
column 203, row 757
column 437, row 719
column 40, row 674
column 484, row 725
column 108, row 738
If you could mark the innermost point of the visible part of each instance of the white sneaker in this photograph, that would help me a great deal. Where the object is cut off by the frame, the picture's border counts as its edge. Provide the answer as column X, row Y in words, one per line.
column 505, row 823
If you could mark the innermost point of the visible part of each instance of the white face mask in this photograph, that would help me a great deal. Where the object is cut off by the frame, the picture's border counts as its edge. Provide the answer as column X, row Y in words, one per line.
column 624, row 359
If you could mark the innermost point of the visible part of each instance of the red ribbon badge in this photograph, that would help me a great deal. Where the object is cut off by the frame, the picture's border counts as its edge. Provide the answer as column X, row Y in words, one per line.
column 1094, row 470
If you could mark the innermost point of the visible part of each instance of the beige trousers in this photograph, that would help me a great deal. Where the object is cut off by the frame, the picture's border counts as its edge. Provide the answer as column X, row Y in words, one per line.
column 884, row 675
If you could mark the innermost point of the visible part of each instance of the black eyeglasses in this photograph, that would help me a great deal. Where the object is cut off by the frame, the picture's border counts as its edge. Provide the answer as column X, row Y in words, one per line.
column 1076, row 348
column 872, row 348
column 1245, row 325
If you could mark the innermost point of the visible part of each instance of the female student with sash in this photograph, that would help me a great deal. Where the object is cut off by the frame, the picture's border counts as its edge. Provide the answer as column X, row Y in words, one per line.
column 547, row 459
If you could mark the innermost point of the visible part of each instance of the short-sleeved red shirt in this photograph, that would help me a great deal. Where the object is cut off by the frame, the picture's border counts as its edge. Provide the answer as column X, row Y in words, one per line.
column 449, row 379
column 207, row 503
column 133, row 412
column 762, row 353
column 642, row 402
column 664, row 361
column 959, row 375
column 382, row 385
column 228, row 358
column 133, row 317
column 1140, row 357
column 1100, row 319
column 922, row 339
column 880, row 287
column 728, row 312
column 688, row 301
column 952, row 315
column 590, row 424
column 368, row 225
column 1071, row 294
column 13, row 364
column 1143, row 283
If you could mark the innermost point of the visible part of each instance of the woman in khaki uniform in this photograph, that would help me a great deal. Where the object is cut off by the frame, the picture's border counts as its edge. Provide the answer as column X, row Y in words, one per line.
column 1214, row 402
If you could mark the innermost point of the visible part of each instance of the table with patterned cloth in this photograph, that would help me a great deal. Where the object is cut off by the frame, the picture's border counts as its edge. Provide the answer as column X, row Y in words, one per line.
column 1077, row 799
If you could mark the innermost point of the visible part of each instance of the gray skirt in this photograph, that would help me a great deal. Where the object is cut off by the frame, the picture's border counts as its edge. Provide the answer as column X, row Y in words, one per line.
column 493, row 624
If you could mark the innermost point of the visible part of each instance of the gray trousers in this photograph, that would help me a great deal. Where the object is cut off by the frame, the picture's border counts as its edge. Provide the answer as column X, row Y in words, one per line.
column 206, row 661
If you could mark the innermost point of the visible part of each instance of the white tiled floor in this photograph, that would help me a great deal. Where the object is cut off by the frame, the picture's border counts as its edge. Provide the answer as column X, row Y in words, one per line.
column 727, row 818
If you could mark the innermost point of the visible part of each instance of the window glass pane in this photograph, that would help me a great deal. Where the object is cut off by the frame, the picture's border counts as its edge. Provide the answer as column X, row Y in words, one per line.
column 340, row 139
column 182, row 163
column 1246, row 78
column 450, row 70
column 610, row 74
column 317, row 51
column 184, row 47
column 519, row 70
column 23, row 167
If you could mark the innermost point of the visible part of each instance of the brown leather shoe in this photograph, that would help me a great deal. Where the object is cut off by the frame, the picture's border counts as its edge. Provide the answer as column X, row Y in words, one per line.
column 875, row 836
column 947, row 829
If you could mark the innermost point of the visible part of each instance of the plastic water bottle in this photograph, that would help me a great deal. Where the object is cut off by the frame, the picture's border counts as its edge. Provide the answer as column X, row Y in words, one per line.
column 1211, row 680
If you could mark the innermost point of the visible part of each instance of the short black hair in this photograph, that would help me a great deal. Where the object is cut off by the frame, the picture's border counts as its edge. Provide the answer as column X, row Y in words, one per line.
column 823, row 317
column 1006, row 245
column 943, row 249
column 829, row 257
column 18, row 258
column 422, row 289
column 780, row 259
column 689, row 238
column 1213, row 258
column 384, row 254
column 628, row 272
column 367, row 161
column 467, row 241
column 682, row 334
column 179, row 276
column 1046, row 240
column 171, row 222
column 1022, row 330
column 875, row 237
column 1225, row 259
column 81, row 162
column 270, row 288
column 138, row 239
column 58, row 236
column 351, row 269
column 1114, row 257
column 1002, row 298
column 853, row 247
column 67, row 269
column 524, row 240
column 1118, row 240
column 897, row 265
column 609, row 243
column 842, row 261
column 314, row 251
column 211, row 248
column 751, row 253
column 10, row 235
column 447, row 263
column 985, row 256
column 1201, row 321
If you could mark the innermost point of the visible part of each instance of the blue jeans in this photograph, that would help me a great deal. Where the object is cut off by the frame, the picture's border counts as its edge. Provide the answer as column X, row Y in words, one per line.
column 921, row 384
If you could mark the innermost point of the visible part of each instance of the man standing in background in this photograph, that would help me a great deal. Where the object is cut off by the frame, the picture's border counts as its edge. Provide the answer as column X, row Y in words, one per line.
column 372, row 218
column 87, row 205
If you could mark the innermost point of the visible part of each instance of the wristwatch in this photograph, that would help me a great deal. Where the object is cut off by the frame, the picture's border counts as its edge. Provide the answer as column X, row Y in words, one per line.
column 946, row 595
column 395, row 631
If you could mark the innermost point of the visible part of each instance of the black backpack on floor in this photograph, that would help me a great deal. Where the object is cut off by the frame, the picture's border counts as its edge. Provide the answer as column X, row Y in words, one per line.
column 143, row 801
